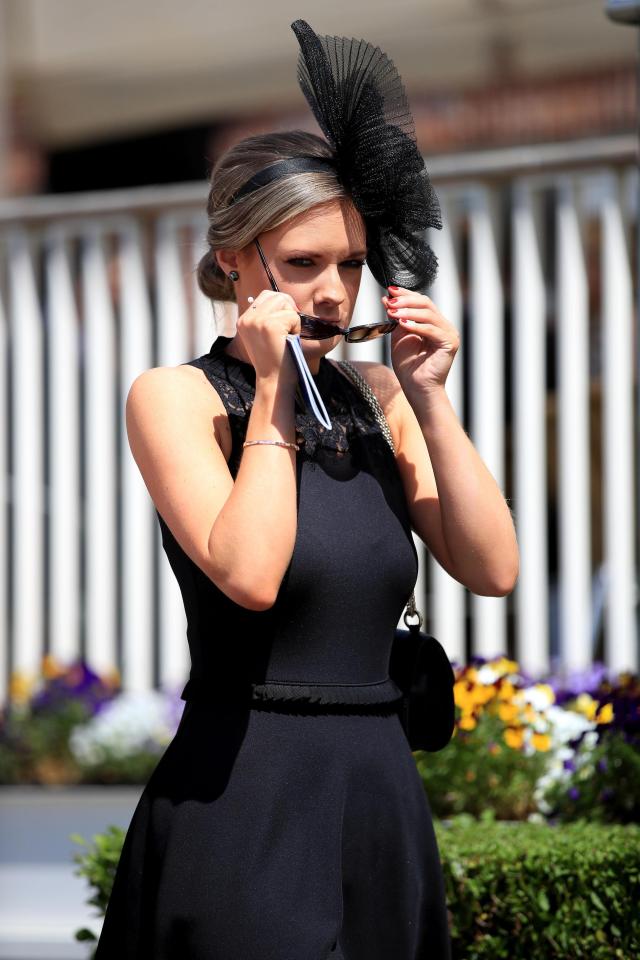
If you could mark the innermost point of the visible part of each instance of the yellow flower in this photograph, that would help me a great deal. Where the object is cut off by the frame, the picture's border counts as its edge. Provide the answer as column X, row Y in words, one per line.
column 112, row 678
column 508, row 712
column 541, row 741
column 530, row 714
column 51, row 667
column 495, row 749
column 461, row 694
column 514, row 737
column 587, row 705
column 506, row 690
column 467, row 722
column 605, row 714
column 504, row 666
column 20, row 686
column 482, row 694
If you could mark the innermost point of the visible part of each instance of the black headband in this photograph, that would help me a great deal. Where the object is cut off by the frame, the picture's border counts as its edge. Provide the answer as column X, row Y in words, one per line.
column 280, row 169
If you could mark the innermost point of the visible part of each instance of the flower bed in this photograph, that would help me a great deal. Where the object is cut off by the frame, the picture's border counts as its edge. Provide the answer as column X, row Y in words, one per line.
column 71, row 726
column 523, row 748
column 559, row 749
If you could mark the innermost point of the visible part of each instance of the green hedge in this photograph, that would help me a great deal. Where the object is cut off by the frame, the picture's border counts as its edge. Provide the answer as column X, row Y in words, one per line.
column 529, row 891
column 522, row 891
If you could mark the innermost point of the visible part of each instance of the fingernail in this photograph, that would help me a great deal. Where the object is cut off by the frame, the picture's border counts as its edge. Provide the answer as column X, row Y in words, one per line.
column 393, row 288
column 393, row 299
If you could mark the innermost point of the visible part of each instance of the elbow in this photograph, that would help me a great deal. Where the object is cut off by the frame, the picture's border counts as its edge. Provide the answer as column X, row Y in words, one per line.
column 259, row 603
column 256, row 595
column 501, row 584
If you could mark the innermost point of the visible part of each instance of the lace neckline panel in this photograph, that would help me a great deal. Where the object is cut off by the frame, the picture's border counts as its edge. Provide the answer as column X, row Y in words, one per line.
column 351, row 415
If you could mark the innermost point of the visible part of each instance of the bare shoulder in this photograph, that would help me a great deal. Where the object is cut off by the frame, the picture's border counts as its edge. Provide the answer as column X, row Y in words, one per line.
column 183, row 391
column 183, row 381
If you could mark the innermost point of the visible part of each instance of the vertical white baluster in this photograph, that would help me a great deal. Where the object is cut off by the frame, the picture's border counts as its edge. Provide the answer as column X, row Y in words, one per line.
column 138, row 514
column 4, row 503
column 98, row 364
column 618, row 441
column 448, row 596
column 487, row 387
column 64, row 459
column 573, row 435
column 26, row 335
column 173, row 346
column 529, row 434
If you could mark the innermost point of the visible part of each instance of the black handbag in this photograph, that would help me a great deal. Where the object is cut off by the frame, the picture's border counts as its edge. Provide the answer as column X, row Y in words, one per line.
column 418, row 662
column 421, row 668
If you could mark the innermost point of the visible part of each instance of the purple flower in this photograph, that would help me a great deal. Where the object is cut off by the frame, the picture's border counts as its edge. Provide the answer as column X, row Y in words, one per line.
column 78, row 684
column 567, row 685
column 603, row 763
column 569, row 764
column 574, row 793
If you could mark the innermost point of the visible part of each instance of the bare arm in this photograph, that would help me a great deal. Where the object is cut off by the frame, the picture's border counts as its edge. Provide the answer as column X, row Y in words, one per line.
column 240, row 534
column 252, row 538
column 455, row 504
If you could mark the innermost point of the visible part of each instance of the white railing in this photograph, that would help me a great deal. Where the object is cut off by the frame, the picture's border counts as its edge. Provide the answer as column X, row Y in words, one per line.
column 96, row 288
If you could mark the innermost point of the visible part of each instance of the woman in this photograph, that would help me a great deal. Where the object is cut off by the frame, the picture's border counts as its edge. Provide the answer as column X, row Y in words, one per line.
column 286, row 819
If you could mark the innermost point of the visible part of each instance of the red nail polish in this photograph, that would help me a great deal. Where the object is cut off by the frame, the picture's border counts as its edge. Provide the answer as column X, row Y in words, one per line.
column 393, row 288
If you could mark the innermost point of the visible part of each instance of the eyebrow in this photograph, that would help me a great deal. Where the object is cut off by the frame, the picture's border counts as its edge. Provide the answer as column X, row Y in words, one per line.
column 353, row 255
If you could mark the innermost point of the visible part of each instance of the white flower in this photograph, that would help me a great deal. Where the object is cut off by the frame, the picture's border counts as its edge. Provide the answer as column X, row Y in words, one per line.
column 567, row 725
column 539, row 696
column 486, row 675
column 133, row 722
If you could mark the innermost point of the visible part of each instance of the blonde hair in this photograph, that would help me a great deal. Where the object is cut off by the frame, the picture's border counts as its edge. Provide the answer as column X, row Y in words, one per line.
column 234, row 225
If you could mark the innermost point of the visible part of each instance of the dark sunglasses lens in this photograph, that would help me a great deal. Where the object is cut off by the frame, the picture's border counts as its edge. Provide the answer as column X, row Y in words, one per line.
column 313, row 329
column 371, row 331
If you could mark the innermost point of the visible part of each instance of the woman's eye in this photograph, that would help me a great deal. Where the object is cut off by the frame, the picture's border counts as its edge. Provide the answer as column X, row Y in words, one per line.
column 306, row 262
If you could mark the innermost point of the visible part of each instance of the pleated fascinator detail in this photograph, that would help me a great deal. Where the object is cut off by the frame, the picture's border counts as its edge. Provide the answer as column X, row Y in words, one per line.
column 357, row 97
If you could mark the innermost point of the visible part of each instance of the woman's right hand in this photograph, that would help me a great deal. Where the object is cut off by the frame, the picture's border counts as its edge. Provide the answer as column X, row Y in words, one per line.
column 263, row 328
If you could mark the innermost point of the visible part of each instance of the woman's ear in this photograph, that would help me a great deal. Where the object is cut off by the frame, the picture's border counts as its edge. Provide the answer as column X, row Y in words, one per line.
column 227, row 260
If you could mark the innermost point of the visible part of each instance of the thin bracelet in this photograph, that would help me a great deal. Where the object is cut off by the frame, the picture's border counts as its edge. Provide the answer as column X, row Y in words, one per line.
column 275, row 443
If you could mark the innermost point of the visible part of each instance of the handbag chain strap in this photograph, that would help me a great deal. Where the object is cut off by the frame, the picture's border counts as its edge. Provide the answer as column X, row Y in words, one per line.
column 411, row 610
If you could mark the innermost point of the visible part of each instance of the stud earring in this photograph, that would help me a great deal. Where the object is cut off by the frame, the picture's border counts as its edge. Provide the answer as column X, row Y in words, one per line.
column 234, row 275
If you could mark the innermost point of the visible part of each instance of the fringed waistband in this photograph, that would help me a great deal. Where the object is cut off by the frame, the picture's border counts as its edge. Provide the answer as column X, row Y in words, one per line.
column 276, row 691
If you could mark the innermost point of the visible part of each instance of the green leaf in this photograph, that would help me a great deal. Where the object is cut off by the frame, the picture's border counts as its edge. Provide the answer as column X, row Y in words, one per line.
column 543, row 901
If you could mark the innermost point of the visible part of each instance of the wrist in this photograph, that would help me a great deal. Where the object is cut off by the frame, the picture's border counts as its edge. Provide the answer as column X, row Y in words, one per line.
column 427, row 402
column 275, row 388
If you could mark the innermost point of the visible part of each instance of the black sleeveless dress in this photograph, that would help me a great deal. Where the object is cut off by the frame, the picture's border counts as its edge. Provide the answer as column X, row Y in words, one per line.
column 286, row 819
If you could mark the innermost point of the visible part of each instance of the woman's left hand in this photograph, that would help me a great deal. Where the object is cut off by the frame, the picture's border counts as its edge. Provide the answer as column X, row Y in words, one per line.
column 423, row 344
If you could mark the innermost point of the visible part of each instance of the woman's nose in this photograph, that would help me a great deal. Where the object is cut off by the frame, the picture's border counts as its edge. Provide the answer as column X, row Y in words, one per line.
column 330, row 288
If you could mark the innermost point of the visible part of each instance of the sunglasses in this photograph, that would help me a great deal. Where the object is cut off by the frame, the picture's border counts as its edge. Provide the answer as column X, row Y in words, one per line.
column 313, row 328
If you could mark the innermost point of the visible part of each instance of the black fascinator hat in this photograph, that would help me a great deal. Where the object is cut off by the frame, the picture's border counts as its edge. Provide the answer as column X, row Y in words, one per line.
column 357, row 97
